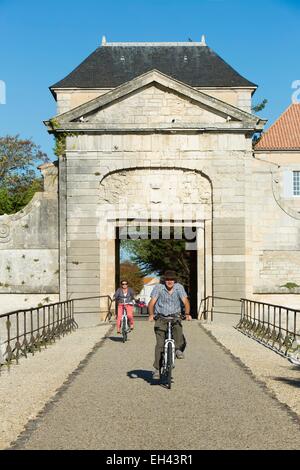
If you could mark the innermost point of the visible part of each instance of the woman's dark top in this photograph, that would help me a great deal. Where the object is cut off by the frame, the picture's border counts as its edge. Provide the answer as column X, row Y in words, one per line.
column 119, row 296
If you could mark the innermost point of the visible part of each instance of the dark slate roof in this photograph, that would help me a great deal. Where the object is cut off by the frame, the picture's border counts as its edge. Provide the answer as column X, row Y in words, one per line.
column 111, row 65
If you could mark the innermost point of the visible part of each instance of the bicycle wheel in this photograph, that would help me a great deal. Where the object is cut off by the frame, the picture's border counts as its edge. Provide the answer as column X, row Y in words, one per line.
column 124, row 331
column 169, row 365
column 161, row 367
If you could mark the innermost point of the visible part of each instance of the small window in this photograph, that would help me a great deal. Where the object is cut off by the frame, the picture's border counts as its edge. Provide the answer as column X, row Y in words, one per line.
column 296, row 183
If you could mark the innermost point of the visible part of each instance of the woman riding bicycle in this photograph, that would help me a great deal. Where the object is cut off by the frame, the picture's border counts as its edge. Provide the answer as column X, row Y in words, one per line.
column 124, row 295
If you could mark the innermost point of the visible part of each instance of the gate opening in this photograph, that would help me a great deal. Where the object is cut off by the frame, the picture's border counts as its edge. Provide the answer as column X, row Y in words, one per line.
column 169, row 250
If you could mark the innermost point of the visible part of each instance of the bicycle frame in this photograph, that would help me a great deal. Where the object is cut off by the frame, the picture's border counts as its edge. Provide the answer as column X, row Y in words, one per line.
column 168, row 356
column 124, row 316
column 169, row 340
column 124, row 322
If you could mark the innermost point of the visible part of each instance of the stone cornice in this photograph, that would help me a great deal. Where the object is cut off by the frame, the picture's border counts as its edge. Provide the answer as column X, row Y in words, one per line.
column 136, row 128
column 154, row 76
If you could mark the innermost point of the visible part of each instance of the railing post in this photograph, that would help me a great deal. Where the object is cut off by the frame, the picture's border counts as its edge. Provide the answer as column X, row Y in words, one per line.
column 8, row 348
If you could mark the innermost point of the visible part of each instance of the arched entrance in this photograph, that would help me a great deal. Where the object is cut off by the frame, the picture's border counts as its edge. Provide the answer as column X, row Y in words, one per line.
column 159, row 198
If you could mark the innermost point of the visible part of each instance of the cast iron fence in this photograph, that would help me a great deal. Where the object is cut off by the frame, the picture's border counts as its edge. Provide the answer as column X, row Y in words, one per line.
column 27, row 330
column 275, row 326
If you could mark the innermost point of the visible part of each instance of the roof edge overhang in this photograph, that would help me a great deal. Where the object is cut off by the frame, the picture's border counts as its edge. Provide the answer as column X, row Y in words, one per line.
column 281, row 150
column 54, row 89
column 78, row 128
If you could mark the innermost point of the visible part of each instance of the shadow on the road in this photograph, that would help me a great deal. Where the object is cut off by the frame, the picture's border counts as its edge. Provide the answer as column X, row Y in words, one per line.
column 117, row 339
column 292, row 382
column 142, row 374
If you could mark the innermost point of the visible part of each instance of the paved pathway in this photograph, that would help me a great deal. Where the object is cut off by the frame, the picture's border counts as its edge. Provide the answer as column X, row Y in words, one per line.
column 112, row 403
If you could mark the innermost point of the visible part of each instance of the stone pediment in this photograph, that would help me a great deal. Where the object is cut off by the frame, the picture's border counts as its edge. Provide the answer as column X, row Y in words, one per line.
column 154, row 100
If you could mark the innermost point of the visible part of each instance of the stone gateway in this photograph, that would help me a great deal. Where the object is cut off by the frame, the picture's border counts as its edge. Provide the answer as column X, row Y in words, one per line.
column 161, row 134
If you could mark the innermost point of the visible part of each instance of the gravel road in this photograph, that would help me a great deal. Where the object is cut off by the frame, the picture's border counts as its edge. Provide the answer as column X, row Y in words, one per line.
column 113, row 403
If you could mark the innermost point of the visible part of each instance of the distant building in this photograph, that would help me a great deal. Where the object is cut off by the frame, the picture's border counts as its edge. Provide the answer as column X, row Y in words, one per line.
column 149, row 283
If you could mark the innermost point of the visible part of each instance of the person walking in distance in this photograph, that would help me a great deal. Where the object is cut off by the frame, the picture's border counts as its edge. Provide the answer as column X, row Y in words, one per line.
column 166, row 301
column 124, row 295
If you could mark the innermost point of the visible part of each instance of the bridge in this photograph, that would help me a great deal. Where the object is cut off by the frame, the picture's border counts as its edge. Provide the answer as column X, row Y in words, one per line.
column 91, row 391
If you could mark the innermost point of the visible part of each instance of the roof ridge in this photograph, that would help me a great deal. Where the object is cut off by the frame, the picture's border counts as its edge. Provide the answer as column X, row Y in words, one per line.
column 151, row 44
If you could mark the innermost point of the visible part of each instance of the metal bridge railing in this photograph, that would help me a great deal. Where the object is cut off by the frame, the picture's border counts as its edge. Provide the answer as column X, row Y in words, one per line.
column 207, row 307
column 27, row 330
column 275, row 326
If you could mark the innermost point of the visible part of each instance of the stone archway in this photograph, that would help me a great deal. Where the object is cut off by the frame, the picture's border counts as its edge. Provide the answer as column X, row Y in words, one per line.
column 151, row 196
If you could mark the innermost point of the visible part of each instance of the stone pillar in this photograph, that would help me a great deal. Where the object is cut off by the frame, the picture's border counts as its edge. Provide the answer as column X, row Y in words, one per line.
column 62, row 214
column 208, row 258
column 50, row 175
column 200, row 266
column 229, row 262
column 107, row 273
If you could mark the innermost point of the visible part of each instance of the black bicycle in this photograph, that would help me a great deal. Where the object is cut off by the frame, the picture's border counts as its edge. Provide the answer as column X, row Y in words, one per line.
column 167, row 362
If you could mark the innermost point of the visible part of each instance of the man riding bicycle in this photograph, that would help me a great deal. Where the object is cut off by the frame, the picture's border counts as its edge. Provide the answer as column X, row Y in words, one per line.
column 166, row 301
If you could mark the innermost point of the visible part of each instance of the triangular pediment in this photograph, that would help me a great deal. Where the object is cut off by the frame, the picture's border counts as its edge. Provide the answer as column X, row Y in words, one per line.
column 158, row 100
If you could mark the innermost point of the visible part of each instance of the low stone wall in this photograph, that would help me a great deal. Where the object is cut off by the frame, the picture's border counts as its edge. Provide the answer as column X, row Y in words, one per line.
column 278, row 268
column 29, row 243
column 13, row 302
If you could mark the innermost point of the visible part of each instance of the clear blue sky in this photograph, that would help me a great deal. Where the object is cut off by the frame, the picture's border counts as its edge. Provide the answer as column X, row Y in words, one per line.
column 41, row 42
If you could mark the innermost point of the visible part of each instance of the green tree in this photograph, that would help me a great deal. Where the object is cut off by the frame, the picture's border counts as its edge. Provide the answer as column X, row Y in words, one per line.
column 18, row 178
column 259, row 106
column 159, row 256
column 133, row 274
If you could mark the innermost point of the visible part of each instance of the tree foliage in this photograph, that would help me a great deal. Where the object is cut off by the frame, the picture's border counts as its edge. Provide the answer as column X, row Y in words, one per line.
column 259, row 106
column 159, row 256
column 18, row 179
column 133, row 274
column 13, row 201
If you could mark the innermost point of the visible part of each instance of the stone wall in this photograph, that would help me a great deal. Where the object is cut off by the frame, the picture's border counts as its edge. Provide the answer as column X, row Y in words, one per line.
column 275, row 229
column 241, row 98
column 154, row 105
column 29, row 243
column 69, row 99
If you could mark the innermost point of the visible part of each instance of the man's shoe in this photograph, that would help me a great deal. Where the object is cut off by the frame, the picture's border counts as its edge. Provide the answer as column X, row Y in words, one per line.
column 155, row 374
column 179, row 354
